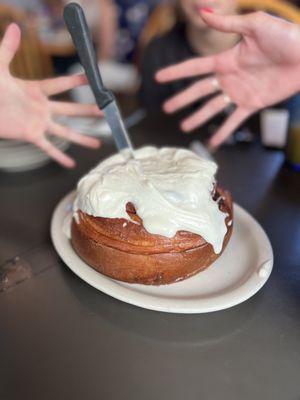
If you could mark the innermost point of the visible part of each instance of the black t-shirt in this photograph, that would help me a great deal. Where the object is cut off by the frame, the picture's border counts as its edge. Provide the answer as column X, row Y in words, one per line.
column 163, row 51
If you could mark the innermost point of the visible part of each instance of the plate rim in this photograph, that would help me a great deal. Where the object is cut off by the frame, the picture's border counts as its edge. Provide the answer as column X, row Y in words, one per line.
column 149, row 301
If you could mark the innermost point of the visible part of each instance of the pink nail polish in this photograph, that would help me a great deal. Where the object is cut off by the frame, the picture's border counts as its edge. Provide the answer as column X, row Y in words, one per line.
column 207, row 10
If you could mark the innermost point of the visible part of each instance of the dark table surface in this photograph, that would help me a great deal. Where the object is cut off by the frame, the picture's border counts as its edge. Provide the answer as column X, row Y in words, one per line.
column 62, row 339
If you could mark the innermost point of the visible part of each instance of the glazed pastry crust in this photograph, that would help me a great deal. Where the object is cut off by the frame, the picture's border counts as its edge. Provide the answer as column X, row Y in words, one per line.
column 123, row 250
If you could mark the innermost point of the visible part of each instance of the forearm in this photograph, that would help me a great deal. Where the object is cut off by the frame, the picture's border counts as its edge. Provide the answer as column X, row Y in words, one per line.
column 107, row 30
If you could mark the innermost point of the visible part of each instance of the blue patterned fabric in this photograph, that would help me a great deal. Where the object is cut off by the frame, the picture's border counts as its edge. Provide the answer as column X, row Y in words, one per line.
column 133, row 15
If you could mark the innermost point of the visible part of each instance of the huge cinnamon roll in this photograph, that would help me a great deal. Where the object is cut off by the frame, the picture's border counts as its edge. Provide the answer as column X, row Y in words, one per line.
column 155, row 219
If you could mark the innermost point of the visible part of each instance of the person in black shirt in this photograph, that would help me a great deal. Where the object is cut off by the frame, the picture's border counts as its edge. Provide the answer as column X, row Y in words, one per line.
column 260, row 71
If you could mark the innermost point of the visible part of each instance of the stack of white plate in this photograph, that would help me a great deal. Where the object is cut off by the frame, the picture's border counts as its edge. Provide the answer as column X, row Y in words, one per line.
column 22, row 156
column 120, row 78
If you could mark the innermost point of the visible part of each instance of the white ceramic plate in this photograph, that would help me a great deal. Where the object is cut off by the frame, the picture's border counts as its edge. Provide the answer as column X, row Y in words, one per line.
column 21, row 156
column 238, row 274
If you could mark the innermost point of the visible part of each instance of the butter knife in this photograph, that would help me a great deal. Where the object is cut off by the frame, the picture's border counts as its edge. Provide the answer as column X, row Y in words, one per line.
column 77, row 26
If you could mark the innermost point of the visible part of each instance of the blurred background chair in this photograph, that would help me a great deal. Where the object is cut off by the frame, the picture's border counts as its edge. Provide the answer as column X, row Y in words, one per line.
column 31, row 60
column 280, row 8
column 161, row 20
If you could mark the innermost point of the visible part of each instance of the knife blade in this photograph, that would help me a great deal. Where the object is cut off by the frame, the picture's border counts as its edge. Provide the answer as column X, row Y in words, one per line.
column 117, row 126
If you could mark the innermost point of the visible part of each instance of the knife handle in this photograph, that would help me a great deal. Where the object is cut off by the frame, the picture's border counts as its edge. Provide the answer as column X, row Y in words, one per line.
column 77, row 26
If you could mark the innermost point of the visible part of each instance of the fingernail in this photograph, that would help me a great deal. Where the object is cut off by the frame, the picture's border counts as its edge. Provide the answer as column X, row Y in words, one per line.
column 211, row 147
column 70, row 165
column 167, row 109
column 207, row 10
column 184, row 128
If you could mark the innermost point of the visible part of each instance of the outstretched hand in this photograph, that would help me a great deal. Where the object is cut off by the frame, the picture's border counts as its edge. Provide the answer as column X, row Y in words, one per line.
column 261, row 70
column 27, row 113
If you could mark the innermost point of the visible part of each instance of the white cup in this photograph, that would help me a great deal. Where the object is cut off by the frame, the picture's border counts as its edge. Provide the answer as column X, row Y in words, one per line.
column 274, row 127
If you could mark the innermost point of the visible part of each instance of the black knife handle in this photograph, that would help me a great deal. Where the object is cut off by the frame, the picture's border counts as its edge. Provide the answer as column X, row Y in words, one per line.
column 76, row 23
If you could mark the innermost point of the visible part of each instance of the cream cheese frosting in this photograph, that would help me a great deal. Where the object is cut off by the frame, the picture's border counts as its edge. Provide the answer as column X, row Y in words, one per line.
column 170, row 188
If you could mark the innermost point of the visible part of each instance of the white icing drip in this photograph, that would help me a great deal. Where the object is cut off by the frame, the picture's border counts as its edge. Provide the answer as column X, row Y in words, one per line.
column 76, row 217
column 169, row 187
column 67, row 225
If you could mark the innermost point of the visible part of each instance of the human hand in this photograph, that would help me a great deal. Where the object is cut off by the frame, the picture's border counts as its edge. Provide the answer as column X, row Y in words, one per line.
column 27, row 113
column 261, row 70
